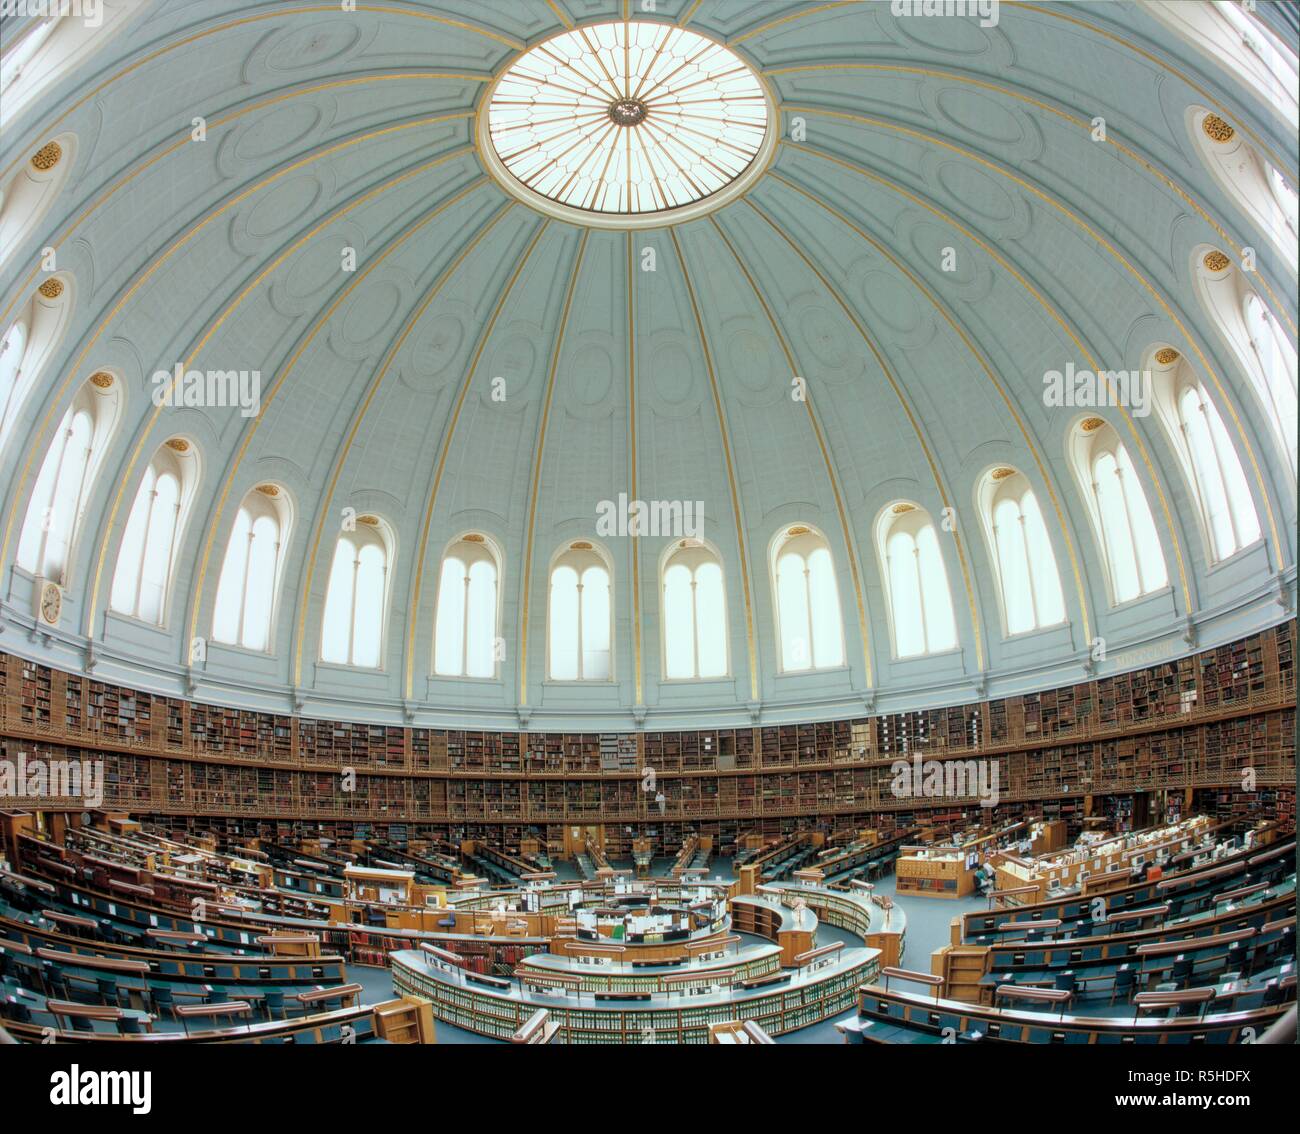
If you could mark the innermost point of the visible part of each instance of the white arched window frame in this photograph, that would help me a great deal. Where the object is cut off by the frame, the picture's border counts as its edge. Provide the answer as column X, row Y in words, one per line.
column 810, row 629
column 915, row 581
column 466, row 626
column 155, row 528
column 693, row 612
column 1262, row 349
column 1024, row 564
column 249, row 586
column 1236, row 41
column 1275, row 362
column 580, row 615
column 356, row 596
column 53, row 46
column 27, row 344
column 29, row 192
column 1116, row 502
column 68, row 472
column 1247, row 178
column 1210, row 463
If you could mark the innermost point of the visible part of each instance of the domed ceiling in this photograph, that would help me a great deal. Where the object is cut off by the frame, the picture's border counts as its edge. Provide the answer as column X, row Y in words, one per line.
column 919, row 217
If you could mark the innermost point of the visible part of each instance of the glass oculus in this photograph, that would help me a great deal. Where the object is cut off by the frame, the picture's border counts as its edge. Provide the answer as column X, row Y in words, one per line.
column 613, row 123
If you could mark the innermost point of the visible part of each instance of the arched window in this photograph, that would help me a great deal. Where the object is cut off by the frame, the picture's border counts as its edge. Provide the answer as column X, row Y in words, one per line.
column 1249, row 179
column 1239, row 43
column 30, row 191
column 809, row 629
column 356, row 598
column 251, row 570
column 1126, row 531
column 52, row 46
column 63, row 485
column 916, row 582
column 1275, row 363
column 1029, row 585
column 1284, row 193
column 1210, row 463
column 694, row 612
column 154, row 531
column 1261, row 346
column 465, row 631
column 27, row 343
column 581, row 614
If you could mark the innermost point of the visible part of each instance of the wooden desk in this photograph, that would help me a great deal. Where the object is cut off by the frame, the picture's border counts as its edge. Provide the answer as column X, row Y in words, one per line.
column 1059, row 996
column 60, row 1009
column 346, row 994
column 1153, row 1001
column 228, row 1009
column 70, row 920
column 291, row 944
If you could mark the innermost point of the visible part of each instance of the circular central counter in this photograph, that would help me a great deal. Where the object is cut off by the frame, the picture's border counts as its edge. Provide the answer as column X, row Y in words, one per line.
column 655, row 961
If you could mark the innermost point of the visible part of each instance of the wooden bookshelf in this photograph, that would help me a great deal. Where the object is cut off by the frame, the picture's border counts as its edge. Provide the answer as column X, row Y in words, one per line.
column 1193, row 723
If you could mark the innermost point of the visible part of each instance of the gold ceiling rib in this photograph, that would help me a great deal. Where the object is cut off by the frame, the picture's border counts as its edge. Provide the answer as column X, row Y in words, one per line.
column 635, row 543
column 525, row 577
column 318, row 322
column 1278, row 307
column 444, row 448
column 729, row 461
column 560, row 13
column 850, row 544
column 688, row 13
column 1150, row 288
column 944, row 498
column 359, row 415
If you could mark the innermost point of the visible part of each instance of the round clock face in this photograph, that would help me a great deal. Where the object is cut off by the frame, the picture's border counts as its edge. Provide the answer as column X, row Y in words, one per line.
column 51, row 602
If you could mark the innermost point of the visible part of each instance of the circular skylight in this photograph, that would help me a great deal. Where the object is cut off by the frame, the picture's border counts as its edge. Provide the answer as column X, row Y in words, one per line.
column 621, row 120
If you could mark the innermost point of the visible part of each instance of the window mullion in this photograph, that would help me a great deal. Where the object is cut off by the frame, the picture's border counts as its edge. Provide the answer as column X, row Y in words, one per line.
column 808, row 610
column 47, row 520
column 240, row 630
column 581, row 632
column 1122, row 481
column 1034, row 615
column 464, row 629
column 1219, row 464
column 352, row 609
column 920, row 595
column 144, row 549
column 695, row 626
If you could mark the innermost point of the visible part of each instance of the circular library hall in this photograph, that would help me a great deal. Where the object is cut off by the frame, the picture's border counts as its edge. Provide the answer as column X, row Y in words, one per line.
column 555, row 522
